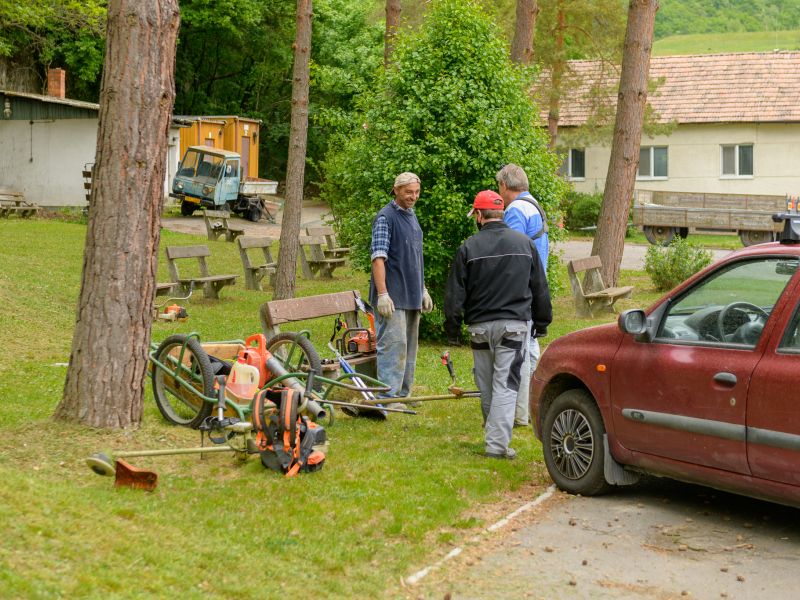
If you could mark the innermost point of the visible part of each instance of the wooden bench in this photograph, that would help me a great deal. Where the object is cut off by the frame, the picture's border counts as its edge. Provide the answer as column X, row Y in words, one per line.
column 212, row 284
column 313, row 260
column 14, row 203
column 588, row 290
column 217, row 225
column 253, row 274
column 166, row 289
column 278, row 312
column 332, row 249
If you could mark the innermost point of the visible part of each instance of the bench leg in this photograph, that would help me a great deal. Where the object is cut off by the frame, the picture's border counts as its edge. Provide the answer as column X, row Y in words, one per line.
column 304, row 266
column 210, row 291
column 252, row 280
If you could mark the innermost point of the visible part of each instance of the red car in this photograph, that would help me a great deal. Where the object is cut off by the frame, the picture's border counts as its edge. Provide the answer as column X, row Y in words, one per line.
column 703, row 387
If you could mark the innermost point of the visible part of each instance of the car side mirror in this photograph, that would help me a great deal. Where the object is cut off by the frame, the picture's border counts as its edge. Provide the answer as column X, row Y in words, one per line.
column 633, row 321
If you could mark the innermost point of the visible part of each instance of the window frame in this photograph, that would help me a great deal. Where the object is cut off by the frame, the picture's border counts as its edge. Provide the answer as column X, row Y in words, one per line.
column 736, row 174
column 566, row 165
column 652, row 176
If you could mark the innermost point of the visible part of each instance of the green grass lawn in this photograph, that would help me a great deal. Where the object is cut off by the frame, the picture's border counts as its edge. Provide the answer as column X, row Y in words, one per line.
column 704, row 240
column 714, row 43
column 393, row 496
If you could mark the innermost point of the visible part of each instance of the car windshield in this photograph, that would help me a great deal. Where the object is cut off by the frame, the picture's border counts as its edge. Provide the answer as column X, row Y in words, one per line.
column 202, row 166
column 731, row 305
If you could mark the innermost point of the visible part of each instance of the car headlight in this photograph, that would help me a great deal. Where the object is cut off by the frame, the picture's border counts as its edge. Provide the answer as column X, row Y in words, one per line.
column 178, row 185
column 208, row 190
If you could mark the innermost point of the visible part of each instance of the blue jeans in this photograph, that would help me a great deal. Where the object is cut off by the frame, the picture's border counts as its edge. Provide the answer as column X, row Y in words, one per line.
column 397, row 351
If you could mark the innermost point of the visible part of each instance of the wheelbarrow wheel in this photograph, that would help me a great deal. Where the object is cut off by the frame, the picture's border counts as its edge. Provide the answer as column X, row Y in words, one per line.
column 296, row 353
column 179, row 404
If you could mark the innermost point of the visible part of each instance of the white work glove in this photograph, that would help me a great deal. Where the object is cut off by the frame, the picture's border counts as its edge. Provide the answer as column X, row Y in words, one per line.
column 427, row 303
column 385, row 306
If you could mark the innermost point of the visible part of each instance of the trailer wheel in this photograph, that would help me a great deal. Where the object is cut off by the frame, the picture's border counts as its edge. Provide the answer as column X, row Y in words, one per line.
column 187, row 208
column 659, row 235
column 752, row 237
column 296, row 353
column 683, row 232
column 178, row 404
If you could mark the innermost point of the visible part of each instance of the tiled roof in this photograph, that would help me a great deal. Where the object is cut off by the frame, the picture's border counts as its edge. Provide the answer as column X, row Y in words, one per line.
column 711, row 88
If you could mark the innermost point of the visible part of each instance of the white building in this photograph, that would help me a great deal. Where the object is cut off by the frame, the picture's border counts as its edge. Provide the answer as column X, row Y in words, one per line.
column 47, row 141
column 737, row 126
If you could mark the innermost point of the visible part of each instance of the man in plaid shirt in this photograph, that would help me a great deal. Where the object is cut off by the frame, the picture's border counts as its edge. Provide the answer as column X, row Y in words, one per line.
column 397, row 286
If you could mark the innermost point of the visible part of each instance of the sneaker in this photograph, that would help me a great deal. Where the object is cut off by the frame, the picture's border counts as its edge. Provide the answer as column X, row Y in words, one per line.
column 521, row 423
column 509, row 454
column 397, row 405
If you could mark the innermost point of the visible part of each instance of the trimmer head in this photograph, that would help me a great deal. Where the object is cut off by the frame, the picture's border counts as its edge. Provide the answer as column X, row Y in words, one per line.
column 101, row 464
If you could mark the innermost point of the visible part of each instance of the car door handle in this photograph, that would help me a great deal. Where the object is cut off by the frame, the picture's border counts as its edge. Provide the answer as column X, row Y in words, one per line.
column 725, row 378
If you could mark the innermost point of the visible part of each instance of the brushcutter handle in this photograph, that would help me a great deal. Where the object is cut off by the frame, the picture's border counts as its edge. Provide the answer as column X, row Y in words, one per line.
column 449, row 364
column 220, row 395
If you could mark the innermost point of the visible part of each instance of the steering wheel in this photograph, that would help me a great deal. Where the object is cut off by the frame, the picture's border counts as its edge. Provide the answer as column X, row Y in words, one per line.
column 723, row 315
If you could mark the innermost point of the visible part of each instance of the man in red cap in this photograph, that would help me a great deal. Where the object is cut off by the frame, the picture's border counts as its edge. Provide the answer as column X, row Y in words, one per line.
column 497, row 285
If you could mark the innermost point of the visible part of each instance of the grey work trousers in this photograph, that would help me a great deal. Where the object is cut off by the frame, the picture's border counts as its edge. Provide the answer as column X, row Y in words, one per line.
column 397, row 344
column 522, row 413
column 498, row 350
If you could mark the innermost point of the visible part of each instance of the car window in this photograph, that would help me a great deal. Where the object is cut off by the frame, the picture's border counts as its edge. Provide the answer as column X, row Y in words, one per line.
column 730, row 306
column 791, row 337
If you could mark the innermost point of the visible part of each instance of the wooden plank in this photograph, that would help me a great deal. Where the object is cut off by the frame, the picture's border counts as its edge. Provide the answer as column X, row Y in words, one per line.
column 174, row 252
column 583, row 264
column 299, row 309
column 256, row 241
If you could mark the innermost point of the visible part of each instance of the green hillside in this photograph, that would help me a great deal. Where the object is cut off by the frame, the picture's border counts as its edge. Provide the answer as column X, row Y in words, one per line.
column 683, row 17
column 713, row 43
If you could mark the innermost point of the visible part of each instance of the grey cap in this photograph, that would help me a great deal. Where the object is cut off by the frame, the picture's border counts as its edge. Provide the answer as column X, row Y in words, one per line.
column 405, row 179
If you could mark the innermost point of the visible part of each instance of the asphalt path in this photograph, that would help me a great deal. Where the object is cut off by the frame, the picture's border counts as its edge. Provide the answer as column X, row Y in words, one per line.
column 632, row 254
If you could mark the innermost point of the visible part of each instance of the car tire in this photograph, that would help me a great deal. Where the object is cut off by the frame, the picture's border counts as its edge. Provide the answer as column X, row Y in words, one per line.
column 187, row 208
column 572, row 440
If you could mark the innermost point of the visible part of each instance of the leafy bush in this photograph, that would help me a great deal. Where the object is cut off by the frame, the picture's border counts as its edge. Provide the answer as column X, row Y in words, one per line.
column 452, row 108
column 581, row 210
column 670, row 266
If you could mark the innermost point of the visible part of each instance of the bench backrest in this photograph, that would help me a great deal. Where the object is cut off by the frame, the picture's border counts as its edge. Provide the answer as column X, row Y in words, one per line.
column 254, row 241
column 175, row 253
column 277, row 312
column 314, row 244
column 216, row 214
column 585, row 273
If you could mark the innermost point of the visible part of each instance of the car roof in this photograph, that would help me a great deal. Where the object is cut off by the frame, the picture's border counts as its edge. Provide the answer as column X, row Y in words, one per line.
column 762, row 249
column 217, row 151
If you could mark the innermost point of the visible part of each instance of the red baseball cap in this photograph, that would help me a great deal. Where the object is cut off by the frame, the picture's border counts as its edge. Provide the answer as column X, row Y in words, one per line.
column 486, row 200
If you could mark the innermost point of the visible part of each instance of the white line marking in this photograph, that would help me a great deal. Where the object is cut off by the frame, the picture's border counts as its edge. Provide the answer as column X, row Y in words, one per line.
column 416, row 577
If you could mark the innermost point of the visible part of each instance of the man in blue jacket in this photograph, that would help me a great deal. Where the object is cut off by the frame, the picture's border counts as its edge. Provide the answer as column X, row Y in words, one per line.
column 497, row 286
column 524, row 214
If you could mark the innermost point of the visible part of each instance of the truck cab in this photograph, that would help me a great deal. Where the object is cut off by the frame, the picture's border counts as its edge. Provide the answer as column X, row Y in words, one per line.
column 207, row 177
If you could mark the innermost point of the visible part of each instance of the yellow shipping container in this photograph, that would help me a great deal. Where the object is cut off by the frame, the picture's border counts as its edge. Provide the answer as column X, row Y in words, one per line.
column 237, row 134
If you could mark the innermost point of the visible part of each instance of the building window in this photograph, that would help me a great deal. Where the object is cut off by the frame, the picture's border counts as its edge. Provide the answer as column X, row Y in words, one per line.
column 737, row 160
column 574, row 164
column 652, row 162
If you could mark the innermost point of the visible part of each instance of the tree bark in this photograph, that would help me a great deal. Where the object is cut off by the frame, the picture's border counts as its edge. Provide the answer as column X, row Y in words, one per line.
column 631, row 101
column 392, row 22
column 522, row 44
column 556, row 75
column 104, row 386
column 295, row 168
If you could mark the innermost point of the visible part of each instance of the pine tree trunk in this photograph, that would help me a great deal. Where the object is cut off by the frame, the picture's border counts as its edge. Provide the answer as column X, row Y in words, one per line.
column 105, row 379
column 556, row 76
column 631, row 101
column 295, row 168
column 392, row 22
column 522, row 44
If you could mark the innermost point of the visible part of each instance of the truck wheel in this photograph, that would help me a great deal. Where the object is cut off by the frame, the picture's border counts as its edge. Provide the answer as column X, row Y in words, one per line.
column 254, row 214
column 659, row 234
column 187, row 208
column 683, row 232
column 751, row 238
column 572, row 442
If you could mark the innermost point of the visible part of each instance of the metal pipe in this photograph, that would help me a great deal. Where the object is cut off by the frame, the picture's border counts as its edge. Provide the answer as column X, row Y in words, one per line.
column 173, row 451
column 423, row 398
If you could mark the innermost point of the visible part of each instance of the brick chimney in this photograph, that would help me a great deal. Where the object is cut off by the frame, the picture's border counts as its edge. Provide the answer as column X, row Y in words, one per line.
column 56, row 82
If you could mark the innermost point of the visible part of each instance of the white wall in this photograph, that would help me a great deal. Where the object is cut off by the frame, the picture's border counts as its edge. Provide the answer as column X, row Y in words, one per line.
column 694, row 160
column 44, row 160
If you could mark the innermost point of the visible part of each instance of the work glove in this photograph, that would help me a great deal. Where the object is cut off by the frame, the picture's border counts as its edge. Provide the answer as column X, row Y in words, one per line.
column 385, row 306
column 541, row 332
column 427, row 303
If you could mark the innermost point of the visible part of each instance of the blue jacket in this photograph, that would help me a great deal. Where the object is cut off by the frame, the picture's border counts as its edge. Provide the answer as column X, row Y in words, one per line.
column 522, row 216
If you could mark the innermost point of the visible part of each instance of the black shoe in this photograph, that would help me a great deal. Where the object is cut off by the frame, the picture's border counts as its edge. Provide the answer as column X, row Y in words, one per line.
column 509, row 454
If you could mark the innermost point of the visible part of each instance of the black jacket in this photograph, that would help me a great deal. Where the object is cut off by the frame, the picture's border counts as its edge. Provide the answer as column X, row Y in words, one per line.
column 496, row 274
